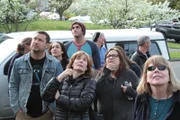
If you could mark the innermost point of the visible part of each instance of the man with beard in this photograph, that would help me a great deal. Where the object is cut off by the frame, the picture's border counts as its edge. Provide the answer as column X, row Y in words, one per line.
column 30, row 74
column 79, row 43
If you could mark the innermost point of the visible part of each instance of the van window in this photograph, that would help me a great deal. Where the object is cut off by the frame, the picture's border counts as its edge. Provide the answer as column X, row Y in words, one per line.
column 130, row 47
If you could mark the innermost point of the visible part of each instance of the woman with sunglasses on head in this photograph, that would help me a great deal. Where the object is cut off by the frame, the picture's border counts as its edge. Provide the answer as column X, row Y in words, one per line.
column 158, row 92
column 114, row 96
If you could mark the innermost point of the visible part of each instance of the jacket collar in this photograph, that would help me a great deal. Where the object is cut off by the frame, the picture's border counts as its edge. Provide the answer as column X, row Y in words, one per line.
column 176, row 97
column 48, row 56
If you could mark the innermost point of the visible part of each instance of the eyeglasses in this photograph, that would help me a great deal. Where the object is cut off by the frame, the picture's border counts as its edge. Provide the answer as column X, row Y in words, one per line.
column 152, row 68
column 112, row 55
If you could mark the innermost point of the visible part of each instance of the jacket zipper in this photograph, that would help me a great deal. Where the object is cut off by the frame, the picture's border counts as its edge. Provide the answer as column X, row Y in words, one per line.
column 114, row 85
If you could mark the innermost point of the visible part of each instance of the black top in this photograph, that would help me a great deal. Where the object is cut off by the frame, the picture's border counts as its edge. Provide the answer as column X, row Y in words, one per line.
column 17, row 55
column 140, row 58
column 141, row 107
column 64, row 63
column 76, row 96
column 34, row 105
column 113, row 103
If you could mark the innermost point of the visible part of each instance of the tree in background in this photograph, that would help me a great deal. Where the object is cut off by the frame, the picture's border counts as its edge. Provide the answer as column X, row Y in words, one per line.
column 151, row 13
column 174, row 4
column 13, row 13
column 60, row 6
column 127, row 13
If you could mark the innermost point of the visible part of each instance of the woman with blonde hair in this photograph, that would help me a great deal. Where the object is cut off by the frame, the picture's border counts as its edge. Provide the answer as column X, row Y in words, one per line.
column 73, row 89
column 158, row 92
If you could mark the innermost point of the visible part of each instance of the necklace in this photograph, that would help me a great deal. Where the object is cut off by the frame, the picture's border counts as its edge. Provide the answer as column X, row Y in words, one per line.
column 155, row 114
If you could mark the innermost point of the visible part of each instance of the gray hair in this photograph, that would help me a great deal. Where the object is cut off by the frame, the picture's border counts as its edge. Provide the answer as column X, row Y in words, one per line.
column 142, row 39
column 97, row 35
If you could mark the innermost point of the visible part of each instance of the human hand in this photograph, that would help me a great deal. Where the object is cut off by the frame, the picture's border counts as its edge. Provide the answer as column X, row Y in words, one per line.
column 124, row 87
column 112, row 66
column 57, row 95
column 66, row 73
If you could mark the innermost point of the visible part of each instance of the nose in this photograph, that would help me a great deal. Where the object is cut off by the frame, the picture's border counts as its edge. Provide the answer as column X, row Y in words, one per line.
column 156, row 70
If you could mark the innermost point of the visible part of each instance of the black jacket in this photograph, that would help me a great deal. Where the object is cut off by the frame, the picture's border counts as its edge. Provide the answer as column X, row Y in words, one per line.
column 136, row 69
column 140, row 58
column 141, row 107
column 112, row 101
column 76, row 96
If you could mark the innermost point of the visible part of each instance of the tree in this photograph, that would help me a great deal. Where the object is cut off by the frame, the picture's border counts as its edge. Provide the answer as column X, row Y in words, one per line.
column 13, row 13
column 174, row 4
column 60, row 6
column 127, row 13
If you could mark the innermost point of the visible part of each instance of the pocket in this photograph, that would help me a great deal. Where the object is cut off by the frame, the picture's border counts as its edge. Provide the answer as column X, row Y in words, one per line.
column 23, row 73
column 49, row 73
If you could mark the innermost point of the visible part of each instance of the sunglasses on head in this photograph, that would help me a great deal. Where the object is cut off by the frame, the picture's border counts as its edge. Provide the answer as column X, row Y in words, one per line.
column 152, row 68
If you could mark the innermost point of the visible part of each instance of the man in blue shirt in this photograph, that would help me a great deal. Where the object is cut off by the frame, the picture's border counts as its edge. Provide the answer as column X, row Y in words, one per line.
column 99, row 39
column 80, row 43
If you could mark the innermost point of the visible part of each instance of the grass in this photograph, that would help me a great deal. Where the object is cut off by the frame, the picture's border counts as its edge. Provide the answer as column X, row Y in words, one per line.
column 53, row 25
column 175, row 55
column 174, row 45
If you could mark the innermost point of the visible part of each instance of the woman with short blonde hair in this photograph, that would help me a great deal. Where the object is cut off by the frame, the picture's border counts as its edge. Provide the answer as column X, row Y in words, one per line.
column 158, row 92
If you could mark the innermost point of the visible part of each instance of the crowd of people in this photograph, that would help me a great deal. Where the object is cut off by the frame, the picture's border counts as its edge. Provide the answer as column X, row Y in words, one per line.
column 83, row 80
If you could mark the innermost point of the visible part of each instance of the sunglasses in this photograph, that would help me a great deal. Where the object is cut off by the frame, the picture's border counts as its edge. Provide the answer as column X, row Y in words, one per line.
column 152, row 68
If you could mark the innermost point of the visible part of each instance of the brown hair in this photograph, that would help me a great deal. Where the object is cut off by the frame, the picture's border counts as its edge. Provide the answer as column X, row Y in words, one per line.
column 144, row 87
column 83, row 27
column 20, row 46
column 64, row 54
column 123, row 65
column 78, row 54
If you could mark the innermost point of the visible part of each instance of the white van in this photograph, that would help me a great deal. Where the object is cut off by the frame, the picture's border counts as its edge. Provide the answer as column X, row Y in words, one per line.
column 123, row 37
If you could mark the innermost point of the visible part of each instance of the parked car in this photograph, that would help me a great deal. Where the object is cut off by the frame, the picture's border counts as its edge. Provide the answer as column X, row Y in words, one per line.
column 170, row 29
column 83, row 19
column 50, row 15
column 125, row 38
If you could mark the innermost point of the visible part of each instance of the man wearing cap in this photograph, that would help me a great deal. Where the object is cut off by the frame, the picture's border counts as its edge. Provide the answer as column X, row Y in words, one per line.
column 142, row 53
column 99, row 39
column 79, row 43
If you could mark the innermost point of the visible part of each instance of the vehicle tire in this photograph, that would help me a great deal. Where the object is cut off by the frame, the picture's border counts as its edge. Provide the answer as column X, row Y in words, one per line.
column 177, row 40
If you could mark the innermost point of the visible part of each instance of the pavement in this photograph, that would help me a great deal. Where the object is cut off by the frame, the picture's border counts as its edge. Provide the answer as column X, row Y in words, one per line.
column 176, row 68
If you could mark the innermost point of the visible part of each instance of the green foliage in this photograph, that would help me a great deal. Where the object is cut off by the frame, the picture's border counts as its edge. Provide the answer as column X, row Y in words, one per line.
column 60, row 6
column 12, row 14
column 174, row 4
column 126, row 13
